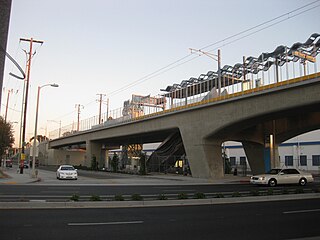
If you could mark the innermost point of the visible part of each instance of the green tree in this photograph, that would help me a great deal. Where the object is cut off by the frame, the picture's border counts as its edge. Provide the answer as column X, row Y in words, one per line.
column 115, row 162
column 6, row 136
column 227, row 164
column 143, row 163
column 94, row 163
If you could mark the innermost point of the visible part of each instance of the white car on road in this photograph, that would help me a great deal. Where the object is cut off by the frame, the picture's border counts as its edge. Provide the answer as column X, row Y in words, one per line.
column 67, row 172
column 282, row 176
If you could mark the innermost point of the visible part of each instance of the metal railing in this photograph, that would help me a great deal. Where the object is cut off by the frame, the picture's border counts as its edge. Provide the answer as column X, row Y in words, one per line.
column 253, row 83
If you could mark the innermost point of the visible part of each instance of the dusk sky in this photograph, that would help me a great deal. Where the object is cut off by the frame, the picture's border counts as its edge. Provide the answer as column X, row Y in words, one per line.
column 98, row 46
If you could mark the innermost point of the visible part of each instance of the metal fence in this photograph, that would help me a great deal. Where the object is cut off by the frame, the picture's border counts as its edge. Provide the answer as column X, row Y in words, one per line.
column 276, row 76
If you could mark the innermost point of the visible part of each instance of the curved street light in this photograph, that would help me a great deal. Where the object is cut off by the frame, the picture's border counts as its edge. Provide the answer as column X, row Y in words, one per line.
column 35, row 129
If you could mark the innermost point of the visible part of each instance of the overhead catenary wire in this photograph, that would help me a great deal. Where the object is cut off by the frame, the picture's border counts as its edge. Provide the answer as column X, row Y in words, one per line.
column 178, row 62
column 183, row 60
column 261, row 24
column 266, row 27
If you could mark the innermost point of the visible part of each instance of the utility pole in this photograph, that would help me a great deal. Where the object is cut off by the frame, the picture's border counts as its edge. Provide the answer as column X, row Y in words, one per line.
column 100, row 105
column 78, row 106
column 22, row 156
column 107, row 109
column 5, row 116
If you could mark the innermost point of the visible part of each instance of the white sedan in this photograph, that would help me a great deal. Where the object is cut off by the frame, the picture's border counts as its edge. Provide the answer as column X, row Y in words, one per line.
column 67, row 172
column 282, row 176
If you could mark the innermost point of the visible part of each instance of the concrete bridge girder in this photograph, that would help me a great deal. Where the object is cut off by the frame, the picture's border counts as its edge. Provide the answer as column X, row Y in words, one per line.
column 248, row 119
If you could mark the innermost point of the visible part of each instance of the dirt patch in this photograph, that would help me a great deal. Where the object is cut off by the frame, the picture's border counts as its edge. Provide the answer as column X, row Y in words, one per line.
column 3, row 175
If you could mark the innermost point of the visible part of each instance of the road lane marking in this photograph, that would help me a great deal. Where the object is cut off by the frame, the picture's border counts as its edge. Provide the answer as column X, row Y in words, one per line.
column 105, row 223
column 179, row 190
column 302, row 211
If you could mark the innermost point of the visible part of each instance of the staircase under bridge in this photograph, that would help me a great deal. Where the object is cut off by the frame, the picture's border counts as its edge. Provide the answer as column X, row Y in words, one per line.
column 164, row 158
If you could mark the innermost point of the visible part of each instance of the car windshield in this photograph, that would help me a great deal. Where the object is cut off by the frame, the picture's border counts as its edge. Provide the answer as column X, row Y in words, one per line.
column 67, row 168
column 274, row 171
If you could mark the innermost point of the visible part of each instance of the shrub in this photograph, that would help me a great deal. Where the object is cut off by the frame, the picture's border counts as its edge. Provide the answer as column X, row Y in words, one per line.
column 316, row 190
column 95, row 198
column 254, row 192
column 136, row 197
column 118, row 197
column 270, row 191
column 299, row 190
column 236, row 194
column 219, row 195
column 199, row 195
column 75, row 197
column 162, row 197
column 182, row 196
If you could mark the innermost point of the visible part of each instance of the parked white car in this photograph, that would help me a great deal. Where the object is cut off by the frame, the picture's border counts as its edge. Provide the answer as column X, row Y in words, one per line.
column 67, row 172
column 282, row 176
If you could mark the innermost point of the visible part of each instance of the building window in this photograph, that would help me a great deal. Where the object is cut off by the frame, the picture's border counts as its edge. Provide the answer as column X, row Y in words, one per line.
column 303, row 160
column 315, row 160
column 233, row 161
column 243, row 161
column 288, row 160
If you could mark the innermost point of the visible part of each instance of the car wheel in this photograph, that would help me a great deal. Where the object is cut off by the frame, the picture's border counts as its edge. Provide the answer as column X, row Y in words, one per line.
column 272, row 182
column 302, row 182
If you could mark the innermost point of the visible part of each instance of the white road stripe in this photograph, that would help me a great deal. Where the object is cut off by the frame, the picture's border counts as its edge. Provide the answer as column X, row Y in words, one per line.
column 302, row 211
column 105, row 223
column 178, row 190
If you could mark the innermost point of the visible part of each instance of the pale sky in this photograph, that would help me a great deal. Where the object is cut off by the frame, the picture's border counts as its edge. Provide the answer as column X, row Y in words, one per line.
column 101, row 46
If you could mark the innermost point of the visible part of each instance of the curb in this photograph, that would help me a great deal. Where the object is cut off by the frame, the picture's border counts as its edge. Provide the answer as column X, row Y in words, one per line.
column 42, row 204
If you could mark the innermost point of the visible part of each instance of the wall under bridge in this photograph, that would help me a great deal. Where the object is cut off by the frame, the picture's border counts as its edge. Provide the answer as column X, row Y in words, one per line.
column 260, row 118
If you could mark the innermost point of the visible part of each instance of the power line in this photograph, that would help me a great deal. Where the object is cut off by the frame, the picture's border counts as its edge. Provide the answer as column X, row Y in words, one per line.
column 266, row 27
column 183, row 60
column 259, row 25
column 148, row 76
column 178, row 62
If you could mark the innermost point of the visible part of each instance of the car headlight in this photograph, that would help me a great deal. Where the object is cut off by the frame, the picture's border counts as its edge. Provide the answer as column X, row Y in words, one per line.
column 262, row 178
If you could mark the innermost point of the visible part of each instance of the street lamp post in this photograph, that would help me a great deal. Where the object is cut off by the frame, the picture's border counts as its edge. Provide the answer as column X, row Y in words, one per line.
column 35, row 129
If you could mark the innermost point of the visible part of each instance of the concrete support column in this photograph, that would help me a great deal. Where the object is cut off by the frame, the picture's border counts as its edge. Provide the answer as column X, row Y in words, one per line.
column 255, row 154
column 260, row 157
column 204, row 156
column 92, row 149
column 275, row 163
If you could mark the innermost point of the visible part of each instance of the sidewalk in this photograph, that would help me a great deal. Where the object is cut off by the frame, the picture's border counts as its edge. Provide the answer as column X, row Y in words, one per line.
column 13, row 176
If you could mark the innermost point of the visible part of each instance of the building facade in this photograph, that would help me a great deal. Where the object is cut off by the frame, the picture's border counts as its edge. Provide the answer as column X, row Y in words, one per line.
column 302, row 152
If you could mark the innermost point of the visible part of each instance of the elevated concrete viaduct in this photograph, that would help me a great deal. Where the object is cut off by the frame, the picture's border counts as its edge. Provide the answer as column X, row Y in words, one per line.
column 258, row 118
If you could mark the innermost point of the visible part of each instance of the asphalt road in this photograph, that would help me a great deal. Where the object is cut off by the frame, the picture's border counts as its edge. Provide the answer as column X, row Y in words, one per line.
column 88, row 184
column 297, row 219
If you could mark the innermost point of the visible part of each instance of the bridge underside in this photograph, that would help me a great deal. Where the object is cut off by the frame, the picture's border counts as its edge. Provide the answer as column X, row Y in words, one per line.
column 260, row 121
